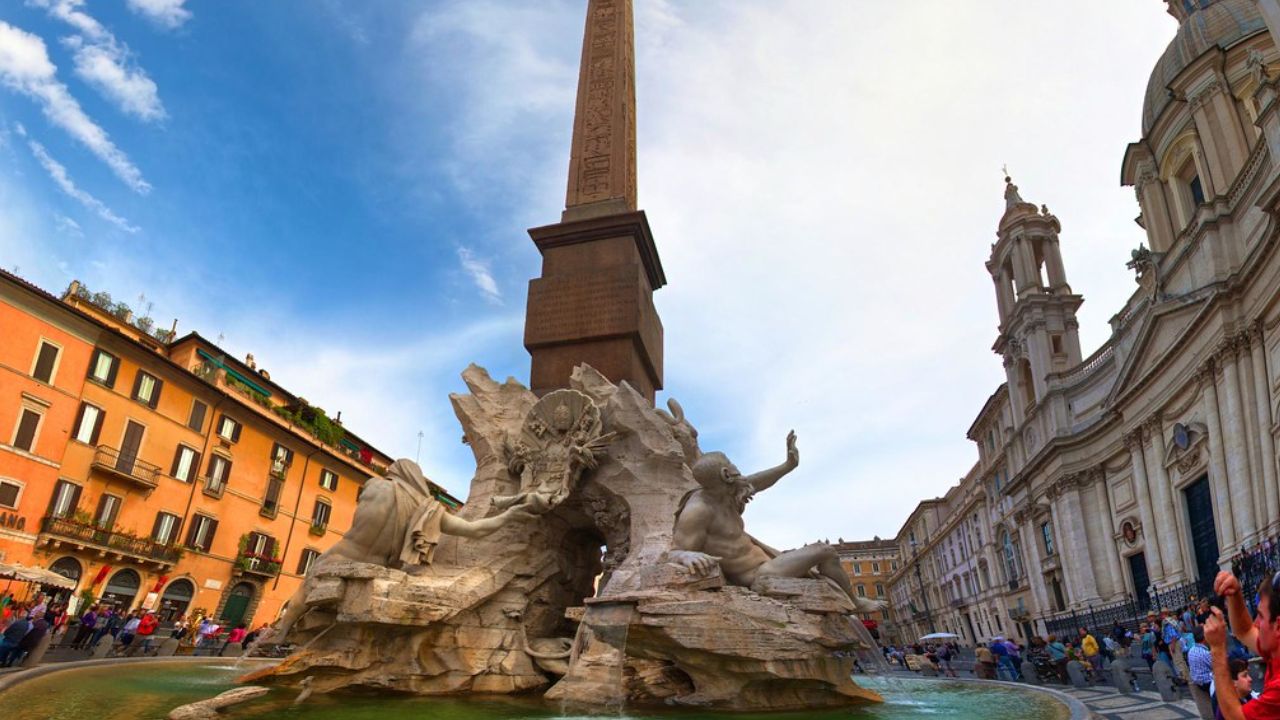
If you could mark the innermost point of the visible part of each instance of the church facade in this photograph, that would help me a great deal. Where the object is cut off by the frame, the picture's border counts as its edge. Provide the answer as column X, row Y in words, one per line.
column 1122, row 481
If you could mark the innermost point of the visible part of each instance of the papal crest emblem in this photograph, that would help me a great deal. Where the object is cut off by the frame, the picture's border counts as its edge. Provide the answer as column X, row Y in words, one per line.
column 560, row 438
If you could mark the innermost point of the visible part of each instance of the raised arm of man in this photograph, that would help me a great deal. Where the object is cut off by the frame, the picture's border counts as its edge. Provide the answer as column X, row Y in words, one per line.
column 1228, row 587
column 765, row 479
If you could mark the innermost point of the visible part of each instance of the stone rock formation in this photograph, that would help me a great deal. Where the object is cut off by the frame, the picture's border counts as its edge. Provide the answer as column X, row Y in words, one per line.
column 578, row 595
column 209, row 709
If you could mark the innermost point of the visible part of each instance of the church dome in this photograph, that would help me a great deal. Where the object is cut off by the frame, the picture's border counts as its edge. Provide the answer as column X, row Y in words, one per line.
column 1210, row 23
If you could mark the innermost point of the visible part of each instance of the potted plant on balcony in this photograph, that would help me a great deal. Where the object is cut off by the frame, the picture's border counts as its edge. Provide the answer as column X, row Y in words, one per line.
column 318, row 530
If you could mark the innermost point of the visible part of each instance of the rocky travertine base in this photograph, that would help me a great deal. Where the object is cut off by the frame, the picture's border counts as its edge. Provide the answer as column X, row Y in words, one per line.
column 590, row 575
column 771, row 647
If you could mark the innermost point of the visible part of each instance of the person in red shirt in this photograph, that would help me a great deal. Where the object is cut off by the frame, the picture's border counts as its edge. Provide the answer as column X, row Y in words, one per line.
column 146, row 628
column 1260, row 634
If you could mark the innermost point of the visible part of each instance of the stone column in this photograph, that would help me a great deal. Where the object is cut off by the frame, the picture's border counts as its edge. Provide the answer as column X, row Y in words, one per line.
column 1002, row 301
column 1065, row 556
column 1155, row 564
column 1108, row 537
column 1053, row 263
column 1079, row 540
column 1155, row 210
column 1262, row 403
column 1234, row 448
column 1166, row 516
column 1248, row 403
column 1217, row 463
column 1270, row 11
column 1035, row 571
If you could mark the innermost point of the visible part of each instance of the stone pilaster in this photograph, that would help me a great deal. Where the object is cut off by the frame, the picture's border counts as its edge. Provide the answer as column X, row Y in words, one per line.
column 1222, row 496
column 1065, row 555
column 1035, row 571
column 1162, row 504
column 1262, row 405
column 1078, row 543
column 1107, row 536
column 1155, row 563
column 1235, row 449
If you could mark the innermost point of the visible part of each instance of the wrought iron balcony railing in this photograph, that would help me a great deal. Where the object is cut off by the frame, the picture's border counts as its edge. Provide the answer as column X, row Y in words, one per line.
column 126, row 466
column 61, row 529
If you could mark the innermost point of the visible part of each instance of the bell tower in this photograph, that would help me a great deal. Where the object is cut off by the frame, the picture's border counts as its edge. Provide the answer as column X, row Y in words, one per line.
column 594, row 300
column 1038, row 327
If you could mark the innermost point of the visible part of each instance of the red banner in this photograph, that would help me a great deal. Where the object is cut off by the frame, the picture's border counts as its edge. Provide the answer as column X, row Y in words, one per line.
column 160, row 583
column 102, row 575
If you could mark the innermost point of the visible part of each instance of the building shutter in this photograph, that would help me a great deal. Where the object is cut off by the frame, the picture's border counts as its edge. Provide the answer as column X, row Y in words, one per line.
column 97, row 427
column 27, row 425
column 235, row 432
column 44, row 363
column 155, row 528
column 269, row 548
column 177, row 457
column 155, row 393
column 111, row 374
column 208, row 537
column 75, row 427
column 196, row 421
column 137, row 384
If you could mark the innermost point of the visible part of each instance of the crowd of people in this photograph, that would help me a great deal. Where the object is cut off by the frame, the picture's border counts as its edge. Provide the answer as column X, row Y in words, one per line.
column 133, row 632
column 1191, row 643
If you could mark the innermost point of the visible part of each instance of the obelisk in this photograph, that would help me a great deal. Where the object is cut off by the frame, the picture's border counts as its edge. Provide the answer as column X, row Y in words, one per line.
column 593, row 303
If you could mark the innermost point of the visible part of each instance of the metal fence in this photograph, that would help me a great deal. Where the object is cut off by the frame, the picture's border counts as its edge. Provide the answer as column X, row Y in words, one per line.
column 1130, row 612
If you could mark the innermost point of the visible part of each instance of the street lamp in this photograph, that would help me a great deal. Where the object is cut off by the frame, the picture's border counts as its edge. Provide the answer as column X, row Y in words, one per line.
column 915, row 557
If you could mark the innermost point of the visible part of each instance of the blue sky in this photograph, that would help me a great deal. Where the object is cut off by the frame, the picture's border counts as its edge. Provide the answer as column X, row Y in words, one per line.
column 342, row 188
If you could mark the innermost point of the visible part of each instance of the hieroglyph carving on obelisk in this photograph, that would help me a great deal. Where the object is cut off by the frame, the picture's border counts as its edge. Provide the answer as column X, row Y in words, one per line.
column 602, row 161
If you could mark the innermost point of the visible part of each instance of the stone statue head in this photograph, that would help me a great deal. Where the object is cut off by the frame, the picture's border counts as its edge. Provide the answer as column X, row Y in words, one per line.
column 715, row 473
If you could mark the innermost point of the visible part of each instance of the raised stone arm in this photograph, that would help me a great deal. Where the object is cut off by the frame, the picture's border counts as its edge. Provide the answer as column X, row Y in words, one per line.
column 473, row 529
column 765, row 479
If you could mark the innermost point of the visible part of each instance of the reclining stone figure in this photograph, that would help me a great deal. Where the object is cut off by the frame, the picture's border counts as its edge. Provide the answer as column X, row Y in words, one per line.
column 709, row 531
column 397, row 524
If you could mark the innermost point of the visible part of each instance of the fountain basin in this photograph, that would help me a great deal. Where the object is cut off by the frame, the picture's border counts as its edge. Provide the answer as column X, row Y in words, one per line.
column 148, row 690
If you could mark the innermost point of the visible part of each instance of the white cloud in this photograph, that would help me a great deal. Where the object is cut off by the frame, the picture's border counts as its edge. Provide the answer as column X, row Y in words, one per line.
column 481, row 276
column 60, row 177
column 105, row 63
column 25, row 67
column 67, row 226
column 168, row 14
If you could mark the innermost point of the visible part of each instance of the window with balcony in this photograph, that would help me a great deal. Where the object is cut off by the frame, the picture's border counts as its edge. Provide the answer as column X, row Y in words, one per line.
column 185, row 463
column 146, row 388
column 65, row 500
column 10, row 491
column 281, row 459
column 103, row 367
column 306, row 560
column 271, row 501
column 200, row 535
column 219, row 471
column 88, row 424
column 320, row 516
column 195, row 420
column 28, row 428
column 165, row 530
column 328, row 480
column 108, row 511
column 228, row 429
column 258, row 555
column 45, row 364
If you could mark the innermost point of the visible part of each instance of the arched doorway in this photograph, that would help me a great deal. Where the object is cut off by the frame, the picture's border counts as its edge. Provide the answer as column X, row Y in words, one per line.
column 175, row 600
column 121, row 589
column 233, row 610
column 71, row 569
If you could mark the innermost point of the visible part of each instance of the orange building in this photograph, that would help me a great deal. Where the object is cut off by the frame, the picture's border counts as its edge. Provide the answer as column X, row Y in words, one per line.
column 869, row 564
column 157, row 471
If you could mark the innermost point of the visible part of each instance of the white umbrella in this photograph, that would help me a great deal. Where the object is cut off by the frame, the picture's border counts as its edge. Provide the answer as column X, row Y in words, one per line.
column 940, row 636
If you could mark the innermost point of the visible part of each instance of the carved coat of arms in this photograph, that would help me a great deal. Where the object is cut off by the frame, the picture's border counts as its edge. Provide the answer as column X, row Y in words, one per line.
column 560, row 438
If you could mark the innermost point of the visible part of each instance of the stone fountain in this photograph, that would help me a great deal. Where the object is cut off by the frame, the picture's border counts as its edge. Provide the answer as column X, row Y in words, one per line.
column 600, row 559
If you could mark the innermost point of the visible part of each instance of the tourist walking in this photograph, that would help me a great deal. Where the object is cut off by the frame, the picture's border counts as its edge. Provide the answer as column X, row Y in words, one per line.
column 84, row 632
column 235, row 636
column 985, row 665
column 146, row 629
column 1058, row 658
column 1200, row 672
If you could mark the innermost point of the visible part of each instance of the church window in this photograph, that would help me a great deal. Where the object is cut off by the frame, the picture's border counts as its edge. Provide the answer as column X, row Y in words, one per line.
column 1197, row 192
column 1056, row 341
column 1046, row 532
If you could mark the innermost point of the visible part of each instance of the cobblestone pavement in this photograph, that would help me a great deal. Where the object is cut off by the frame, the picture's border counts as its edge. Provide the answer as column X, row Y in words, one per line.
column 1109, row 704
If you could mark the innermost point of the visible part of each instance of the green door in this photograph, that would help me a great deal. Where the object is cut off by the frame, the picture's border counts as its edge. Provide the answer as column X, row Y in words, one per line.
column 237, row 603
